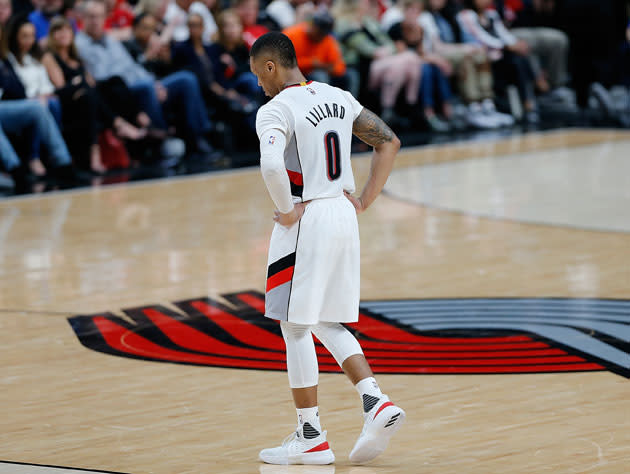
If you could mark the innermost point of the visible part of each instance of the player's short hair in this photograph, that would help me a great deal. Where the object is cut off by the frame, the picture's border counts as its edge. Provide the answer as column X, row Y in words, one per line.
column 278, row 46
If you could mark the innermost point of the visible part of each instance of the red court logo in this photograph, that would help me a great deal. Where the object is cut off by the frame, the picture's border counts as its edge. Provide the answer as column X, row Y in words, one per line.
column 437, row 336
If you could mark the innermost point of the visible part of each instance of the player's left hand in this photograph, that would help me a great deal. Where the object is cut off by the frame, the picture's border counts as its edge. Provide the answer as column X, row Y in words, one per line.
column 291, row 217
column 356, row 202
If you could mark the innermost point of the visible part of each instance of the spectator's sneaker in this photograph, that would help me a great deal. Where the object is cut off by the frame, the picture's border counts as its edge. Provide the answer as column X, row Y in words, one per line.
column 304, row 446
column 532, row 117
column 437, row 124
column 382, row 421
column 562, row 95
column 171, row 151
column 490, row 110
column 478, row 119
column 602, row 96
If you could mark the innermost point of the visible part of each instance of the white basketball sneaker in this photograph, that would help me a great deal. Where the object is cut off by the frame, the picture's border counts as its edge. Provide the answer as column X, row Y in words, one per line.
column 382, row 421
column 304, row 446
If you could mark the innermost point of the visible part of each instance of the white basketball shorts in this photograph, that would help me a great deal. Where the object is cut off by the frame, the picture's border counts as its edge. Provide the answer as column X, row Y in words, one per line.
column 313, row 269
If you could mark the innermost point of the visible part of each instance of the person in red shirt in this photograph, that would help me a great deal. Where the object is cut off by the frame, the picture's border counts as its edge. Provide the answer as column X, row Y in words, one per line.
column 119, row 19
column 247, row 11
column 318, row 52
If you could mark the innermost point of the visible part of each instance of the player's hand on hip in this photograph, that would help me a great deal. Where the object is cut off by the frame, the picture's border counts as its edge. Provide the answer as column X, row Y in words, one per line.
column 292, row 216
column 356, row 202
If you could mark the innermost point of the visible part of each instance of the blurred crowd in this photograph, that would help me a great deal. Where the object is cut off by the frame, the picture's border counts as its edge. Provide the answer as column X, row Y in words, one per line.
column 98, row 84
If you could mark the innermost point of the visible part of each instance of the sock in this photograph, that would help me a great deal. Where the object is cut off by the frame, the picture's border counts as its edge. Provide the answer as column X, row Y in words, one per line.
column 369, row 391
column 308, row 418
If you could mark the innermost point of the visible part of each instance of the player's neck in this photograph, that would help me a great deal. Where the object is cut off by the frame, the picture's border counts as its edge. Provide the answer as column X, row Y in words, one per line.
column 293, row 77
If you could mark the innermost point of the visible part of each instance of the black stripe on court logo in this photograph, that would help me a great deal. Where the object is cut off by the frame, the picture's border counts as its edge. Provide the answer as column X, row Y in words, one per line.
column 415, row 336
column 282, row 264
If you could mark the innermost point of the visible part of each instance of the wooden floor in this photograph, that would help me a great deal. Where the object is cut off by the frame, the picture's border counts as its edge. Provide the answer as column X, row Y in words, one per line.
column 104, row 249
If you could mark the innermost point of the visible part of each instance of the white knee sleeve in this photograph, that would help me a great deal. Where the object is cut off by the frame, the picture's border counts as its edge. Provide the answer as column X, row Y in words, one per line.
column 301, row 357
column 338, row 340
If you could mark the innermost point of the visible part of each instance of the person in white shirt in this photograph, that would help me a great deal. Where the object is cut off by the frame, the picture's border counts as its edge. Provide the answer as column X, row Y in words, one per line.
column 481, row 25
column 176, row 16
column 289, row 12
column 313, row 273
column 468, row 62
column 24, row 57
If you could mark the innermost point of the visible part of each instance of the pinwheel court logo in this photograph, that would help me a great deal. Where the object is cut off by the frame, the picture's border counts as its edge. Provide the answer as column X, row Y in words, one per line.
column 434, row 336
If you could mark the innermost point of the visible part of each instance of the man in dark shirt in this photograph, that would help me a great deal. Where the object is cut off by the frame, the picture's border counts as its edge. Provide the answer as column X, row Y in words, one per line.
column 105, row 57
column 146, row 48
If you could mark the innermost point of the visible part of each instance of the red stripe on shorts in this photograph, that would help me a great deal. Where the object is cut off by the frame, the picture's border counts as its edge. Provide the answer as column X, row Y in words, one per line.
column 280, row 278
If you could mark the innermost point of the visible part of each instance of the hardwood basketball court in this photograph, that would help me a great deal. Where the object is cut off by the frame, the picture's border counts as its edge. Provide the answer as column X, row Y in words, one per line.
column 495, row 304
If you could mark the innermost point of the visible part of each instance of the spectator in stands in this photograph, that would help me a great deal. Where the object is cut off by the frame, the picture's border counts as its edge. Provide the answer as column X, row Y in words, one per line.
column 549, row 47
column 85, row 113
column 624, row 66
column 286, row 13
column 5, row 11
column 193, row 55
column 41, row 18
column 408, row 35
column 230, row 62
column 468, row 62
column 318, row 52
column 19, row 116
column 157, row 8
column 393, row 14
column 368, row 49
column 23, row 53
column 105, row 57
column 248, row 11
column 176, row 16
column 220, row 68
column 481, row 25
column 119, row 19
column 148, row 48
column 596, row 30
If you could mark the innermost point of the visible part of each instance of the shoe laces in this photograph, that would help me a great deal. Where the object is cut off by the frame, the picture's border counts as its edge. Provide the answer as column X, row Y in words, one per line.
column 290, row 438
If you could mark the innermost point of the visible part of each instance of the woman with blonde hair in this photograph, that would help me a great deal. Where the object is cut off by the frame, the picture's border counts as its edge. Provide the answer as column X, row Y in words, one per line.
column 367, row 48
column 85, row 113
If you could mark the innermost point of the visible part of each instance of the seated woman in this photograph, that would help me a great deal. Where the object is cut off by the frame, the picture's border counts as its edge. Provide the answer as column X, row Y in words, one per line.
column 222, row 69
column 468, row 63
column 408, row 35
column 230, row 60
column 22, row 53
column 368, row 49
column 481, row 25
column 29, row 120
column 85, row 113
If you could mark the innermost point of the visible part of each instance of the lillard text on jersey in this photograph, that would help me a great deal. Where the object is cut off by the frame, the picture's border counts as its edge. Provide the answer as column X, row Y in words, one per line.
column 323, row 111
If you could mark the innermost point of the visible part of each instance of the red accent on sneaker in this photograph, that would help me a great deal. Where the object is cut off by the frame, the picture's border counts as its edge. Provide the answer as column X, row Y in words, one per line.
column 388, row 404
column 320, row 447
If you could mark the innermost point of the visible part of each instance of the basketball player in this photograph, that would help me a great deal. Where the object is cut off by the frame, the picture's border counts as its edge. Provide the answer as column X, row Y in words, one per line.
column 313, row 268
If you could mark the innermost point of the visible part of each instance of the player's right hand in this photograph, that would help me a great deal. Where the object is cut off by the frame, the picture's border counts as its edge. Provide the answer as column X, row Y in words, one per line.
column 292, row 216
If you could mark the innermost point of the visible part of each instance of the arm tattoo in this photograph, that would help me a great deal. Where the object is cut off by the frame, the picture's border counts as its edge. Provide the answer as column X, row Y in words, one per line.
column 371, row 129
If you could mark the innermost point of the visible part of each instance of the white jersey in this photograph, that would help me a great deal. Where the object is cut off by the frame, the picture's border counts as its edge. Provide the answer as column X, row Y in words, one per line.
column 313, row 268
column 316, row 120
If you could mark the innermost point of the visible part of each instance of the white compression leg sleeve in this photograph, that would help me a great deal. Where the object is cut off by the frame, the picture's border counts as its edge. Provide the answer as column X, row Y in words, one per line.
column 338, row 340
column 301, row 357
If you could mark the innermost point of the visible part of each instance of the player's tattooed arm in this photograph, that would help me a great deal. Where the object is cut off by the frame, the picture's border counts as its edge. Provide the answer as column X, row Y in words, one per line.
column 371, row 129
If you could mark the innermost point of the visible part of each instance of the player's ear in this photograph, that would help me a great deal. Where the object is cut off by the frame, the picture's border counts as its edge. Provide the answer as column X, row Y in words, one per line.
column 270, row 66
